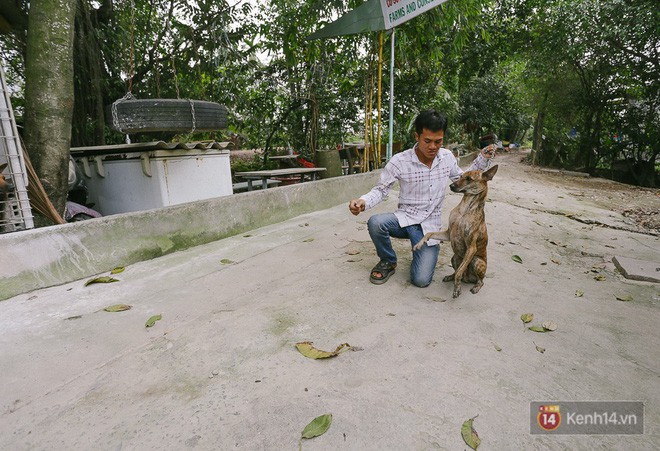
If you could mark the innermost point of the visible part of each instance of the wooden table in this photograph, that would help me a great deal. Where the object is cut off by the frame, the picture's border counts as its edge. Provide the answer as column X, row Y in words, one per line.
column 266, row 174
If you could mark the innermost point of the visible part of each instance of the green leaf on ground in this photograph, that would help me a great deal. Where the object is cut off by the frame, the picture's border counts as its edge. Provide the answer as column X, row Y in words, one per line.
column 226, row 261
column 579, row 294
column 469, row 434
column 527, row 317
column 318, row 426
column 117, row 270
column 151, row 321
column 102, row 279
column 516, row 258
column 118, row 308
column 537, row 329
column 624, row 298
column 306, row 349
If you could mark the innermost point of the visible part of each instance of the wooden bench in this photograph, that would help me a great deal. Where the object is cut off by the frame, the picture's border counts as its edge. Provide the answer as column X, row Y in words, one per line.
column 243, row 186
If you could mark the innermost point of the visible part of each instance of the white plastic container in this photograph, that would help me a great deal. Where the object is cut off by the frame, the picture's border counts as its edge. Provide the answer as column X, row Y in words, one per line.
column 121, row 183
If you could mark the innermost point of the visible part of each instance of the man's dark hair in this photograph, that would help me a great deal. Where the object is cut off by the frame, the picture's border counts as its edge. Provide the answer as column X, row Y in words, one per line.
column 431, row 120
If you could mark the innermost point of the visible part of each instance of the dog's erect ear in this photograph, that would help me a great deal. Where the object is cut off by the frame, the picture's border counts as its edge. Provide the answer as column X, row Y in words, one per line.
column 488, row 175
column 2, row 167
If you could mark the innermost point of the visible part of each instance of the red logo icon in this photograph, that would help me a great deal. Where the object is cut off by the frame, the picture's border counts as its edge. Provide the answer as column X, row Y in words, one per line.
column 549, row 417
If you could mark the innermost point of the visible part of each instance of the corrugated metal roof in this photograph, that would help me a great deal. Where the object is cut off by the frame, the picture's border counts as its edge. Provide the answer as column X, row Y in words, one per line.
column 154, row 145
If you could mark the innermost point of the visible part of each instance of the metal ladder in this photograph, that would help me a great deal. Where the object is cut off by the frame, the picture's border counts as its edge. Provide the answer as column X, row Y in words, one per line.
column 15, row 211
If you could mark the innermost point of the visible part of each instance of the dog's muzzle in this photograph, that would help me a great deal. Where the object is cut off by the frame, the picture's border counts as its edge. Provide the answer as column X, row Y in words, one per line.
column 8, row 186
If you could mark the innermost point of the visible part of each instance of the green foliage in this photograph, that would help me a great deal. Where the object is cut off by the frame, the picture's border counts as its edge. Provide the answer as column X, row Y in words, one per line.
column 524, row 69
column 249, row 162
column 593, row 67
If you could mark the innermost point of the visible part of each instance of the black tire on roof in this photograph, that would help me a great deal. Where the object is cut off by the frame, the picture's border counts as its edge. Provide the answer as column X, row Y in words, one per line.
column 167, row 115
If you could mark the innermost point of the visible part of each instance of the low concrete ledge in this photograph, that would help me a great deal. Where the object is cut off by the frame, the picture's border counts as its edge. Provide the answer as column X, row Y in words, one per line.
column 55, row 255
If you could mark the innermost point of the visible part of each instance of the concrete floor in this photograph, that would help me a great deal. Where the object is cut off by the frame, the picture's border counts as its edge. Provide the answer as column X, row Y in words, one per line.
column 220, row 370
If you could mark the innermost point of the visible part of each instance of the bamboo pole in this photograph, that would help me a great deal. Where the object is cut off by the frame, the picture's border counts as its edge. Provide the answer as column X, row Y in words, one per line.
column 380, row 95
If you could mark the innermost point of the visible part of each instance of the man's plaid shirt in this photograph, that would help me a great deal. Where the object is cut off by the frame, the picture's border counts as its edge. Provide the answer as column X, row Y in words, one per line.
column 422, row 189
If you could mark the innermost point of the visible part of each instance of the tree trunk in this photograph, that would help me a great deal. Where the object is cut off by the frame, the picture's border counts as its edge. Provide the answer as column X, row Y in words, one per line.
column 537, row 141
column 583, row 157
column 88, row 124
column 312, row 133
column 537, row 135
column 49, row 93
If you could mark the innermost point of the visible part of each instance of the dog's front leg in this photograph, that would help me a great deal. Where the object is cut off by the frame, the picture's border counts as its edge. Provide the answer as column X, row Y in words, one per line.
column 442, row 236
column 460, row 271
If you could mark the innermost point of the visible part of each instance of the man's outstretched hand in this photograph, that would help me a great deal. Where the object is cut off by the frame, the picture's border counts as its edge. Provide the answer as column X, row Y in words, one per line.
column 356, row 206
column 489, row 151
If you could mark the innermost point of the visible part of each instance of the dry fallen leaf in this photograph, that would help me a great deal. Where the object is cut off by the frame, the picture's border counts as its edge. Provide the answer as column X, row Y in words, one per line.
column 118, row 308
column 306, row 349
column 557, row 262
column 102, row 279
column 308, row 240
column 497, row 348
column 352, row 252
column 579, row 294
column 469, row 434
column 549, row 325
column 539, row 349
column 527, row 317
column 624, row 298
column 435, row 299
column 600, row 277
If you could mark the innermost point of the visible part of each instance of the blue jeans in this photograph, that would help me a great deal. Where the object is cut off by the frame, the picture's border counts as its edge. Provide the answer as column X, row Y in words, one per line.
column 386, row 225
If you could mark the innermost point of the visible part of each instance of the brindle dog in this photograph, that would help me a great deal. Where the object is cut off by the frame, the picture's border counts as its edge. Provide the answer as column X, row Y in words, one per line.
column 467, row 230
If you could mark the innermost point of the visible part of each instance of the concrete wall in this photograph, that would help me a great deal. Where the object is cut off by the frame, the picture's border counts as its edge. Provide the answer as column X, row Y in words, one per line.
column 54, row 255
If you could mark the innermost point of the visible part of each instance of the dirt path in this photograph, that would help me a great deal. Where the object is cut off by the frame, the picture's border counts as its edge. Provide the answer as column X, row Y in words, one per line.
column 640, row 205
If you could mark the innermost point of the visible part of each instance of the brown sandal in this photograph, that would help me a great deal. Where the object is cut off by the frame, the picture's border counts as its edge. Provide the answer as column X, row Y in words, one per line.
column 381, row 272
